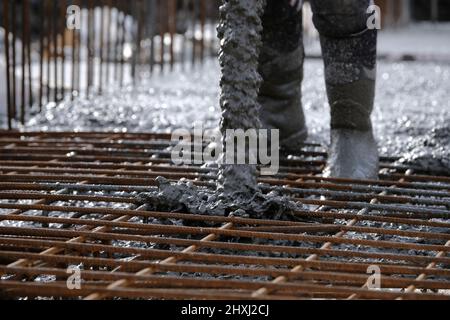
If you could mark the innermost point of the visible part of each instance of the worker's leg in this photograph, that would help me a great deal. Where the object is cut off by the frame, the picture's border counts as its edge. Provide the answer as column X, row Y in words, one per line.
column 349, row 50
column 281, row 66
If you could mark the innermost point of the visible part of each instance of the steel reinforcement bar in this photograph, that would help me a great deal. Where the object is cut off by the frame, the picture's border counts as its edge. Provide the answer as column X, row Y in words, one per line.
column 72, row 199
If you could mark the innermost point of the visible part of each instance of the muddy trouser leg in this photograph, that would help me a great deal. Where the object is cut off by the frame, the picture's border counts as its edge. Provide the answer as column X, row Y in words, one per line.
column 349, row 51
column 281, row 67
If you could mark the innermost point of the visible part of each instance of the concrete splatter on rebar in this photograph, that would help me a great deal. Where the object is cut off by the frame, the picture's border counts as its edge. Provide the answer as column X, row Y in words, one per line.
column 431, row 152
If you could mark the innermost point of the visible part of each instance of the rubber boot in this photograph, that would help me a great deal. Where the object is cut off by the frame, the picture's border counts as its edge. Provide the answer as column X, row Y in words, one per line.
column 281, row 67
column 349, row 52
column 350, row 64
column 353, row 155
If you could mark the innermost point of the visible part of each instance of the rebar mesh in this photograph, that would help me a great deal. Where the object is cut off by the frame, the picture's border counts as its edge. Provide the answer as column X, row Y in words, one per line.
column 72, row 199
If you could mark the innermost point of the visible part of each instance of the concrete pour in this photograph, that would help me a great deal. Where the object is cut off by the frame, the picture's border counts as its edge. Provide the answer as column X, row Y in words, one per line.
column 237, row 190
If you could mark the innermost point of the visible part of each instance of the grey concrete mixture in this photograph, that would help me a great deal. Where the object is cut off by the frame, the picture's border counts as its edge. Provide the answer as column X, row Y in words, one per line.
column 430, row 152
column 237, row 190
column 411, row 100
column 240, row 32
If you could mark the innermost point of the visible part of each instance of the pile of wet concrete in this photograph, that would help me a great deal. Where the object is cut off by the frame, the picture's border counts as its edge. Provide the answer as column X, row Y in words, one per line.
column 430, row 152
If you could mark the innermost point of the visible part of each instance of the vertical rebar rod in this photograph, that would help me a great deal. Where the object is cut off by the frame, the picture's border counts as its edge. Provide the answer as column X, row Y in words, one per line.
column 14, row 62
column 128, row 35
column 41, row 55
column 194, row 26
column 119, row 35
column 211, row 28
column 8, row 67
column 161, row 34
column 136, row 45
column 49, row 45
column 172, row 14
column 78, row 54
column 185, row 9
column 89, row 48
column 152, row 24
column 22, row 67
column 28, row 42
column 139, row 16
column 142, row 15
column 55, row 49
column 122, row 41
column 202, row 29
column 63, row 46
column 74, row 36
column 108, row 40
column 116, row 41
column 212, row 45
column 102, row 43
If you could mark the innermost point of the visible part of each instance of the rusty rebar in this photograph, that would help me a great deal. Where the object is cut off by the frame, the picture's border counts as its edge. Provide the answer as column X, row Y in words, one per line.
column 151, row 29
column 56, row 48
column 74, row 66
column 78, row 57
column 62, row 24
column 172, row 21
column 123, row 36
column 116, row 44
column 101, row 46
column 161, row 26
column 49, row 43
column 14, row 64
column 90, row 47
column 194, row 27
column 42, row 38
column 202, row 28
column 135, row 13
column 72, row 198
column 27, row 27
column 8, row 67
column 23, row 64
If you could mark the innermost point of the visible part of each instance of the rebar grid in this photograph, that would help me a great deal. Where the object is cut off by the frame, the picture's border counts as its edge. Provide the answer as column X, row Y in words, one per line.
column 72, row 199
